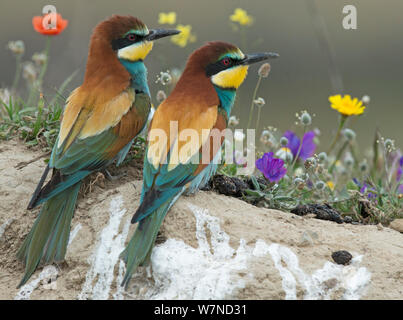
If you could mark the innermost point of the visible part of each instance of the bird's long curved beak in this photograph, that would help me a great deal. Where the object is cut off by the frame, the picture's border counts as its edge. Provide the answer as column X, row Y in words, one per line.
column 161, row 33
column 256, row 57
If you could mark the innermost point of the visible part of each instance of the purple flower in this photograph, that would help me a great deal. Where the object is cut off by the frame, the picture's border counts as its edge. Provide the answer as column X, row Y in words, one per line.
column 273, row 169
column 308, row 146
column 400, row 189
column 364, row 187
column 399, row 170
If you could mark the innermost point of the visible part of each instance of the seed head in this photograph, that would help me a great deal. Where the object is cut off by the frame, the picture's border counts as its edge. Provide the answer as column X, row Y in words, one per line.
column 161, row 96
column 264, row 70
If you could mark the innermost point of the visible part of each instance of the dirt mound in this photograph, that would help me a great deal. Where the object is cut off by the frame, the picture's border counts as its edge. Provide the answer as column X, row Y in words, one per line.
column 210, row 246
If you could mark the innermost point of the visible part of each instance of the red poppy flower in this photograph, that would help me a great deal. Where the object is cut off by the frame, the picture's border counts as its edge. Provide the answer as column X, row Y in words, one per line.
column 43, row 24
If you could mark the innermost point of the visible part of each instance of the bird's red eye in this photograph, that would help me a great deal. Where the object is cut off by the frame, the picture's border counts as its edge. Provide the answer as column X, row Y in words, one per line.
column 226, row 61
column 131, row 37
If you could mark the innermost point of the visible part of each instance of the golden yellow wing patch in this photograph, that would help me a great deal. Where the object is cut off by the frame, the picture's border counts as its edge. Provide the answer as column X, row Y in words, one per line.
column 84, row 116
column 181, row 132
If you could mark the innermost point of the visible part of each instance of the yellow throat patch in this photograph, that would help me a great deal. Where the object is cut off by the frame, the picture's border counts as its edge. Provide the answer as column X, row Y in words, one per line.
column 137, row 51
column 230, row 78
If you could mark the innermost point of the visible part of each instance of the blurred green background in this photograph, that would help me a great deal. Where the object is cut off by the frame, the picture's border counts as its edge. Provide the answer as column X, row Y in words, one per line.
column 368, row 60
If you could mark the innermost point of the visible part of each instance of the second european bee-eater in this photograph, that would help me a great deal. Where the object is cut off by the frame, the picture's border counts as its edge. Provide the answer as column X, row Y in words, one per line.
column 100, row 121
column 201, row 101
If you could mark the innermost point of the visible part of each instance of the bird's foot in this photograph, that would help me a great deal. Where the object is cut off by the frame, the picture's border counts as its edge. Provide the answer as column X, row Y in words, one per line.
column 110, row 177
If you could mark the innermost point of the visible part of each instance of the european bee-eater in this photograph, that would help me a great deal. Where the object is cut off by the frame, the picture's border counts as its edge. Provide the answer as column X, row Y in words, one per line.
column 100, row 121
column 201, row 101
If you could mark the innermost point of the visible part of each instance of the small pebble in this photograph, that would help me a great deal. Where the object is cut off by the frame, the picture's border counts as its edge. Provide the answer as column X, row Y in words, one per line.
column 347, row 219
column 342, row 257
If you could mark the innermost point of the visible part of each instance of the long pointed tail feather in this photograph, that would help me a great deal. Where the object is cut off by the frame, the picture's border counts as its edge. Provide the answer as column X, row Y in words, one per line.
column 139, row 248
column 47, row 241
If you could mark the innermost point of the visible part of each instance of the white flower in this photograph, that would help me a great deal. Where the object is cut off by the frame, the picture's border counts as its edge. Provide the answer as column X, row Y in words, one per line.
column 29, row 71
column 17, row 47
column 285, row 154
column 39, row 58
column 233, row 121
column 366, row 99
column 259, row 102
column 164, row 77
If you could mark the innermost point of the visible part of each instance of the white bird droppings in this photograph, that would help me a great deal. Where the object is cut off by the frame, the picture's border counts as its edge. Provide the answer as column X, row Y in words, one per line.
column 104, row 258
column 352, row 279
column 207, row 272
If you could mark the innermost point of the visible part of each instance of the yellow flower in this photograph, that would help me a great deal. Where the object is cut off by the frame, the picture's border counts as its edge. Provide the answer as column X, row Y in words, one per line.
column 330, row 184
column 242, row 17
column 167, row 18
column 185, row 36
column 347, row 106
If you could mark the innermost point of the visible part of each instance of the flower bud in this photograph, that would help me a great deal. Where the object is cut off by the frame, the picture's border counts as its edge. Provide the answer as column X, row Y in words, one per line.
column 389, row 145
column 348, row 160
column 320, row 185
column 283, row 141
column 363, row 165
column 322, row 157
column 349, row 134
column 306, row 119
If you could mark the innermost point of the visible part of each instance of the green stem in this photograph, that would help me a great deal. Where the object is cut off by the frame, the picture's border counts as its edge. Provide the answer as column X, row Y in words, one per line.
column 45, row 65
column 253, row 103
column 387, row 173
column 37, row 87
column 376, row 154
column 258, row 116
column 338, row 156
column 336, row 138
column 17, row 72
column 354, row 154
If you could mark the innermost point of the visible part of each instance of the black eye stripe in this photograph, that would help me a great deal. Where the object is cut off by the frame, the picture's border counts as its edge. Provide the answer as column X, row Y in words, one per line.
column 124, row 42
column 218, row 66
